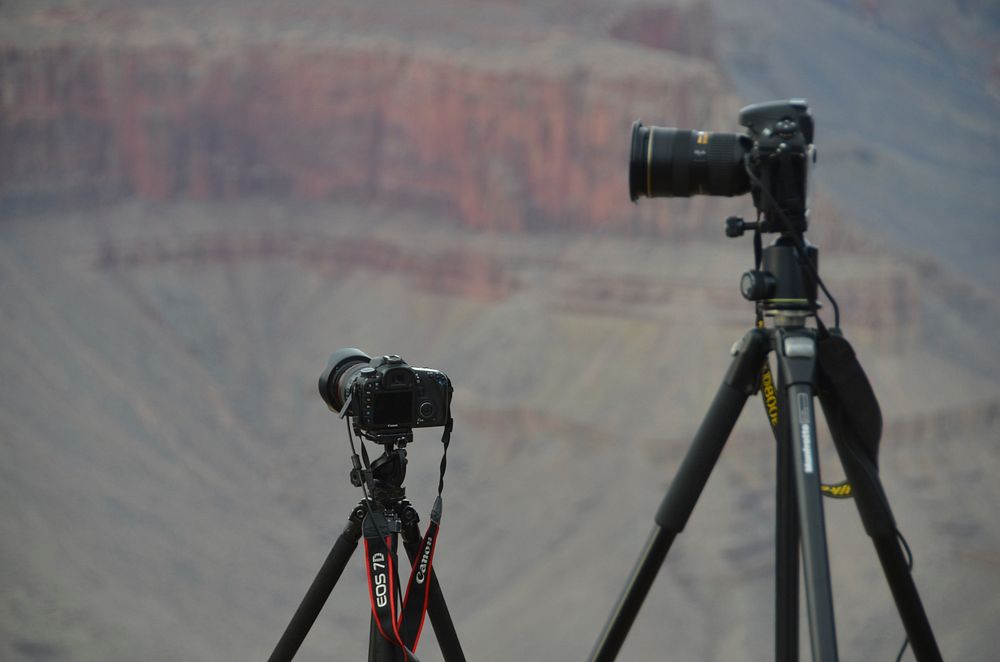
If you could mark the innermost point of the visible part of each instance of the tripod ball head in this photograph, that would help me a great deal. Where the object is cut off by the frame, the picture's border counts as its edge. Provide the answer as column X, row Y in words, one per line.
column 782, row 284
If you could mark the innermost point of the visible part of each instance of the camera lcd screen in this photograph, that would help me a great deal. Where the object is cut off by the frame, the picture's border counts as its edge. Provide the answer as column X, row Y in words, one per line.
column 393, row 408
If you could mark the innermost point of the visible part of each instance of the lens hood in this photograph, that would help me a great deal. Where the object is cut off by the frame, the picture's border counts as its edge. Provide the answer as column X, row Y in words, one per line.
column 340, row 360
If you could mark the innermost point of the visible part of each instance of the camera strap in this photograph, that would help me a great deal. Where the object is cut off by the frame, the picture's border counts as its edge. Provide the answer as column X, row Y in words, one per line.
column 383, row 579
column 381, row 573
column 418, row 589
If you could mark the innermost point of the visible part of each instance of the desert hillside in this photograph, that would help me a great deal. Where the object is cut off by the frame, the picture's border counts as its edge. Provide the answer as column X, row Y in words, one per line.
column 200, row 201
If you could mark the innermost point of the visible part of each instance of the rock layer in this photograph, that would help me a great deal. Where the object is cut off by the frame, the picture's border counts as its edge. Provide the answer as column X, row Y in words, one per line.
column 537, row 137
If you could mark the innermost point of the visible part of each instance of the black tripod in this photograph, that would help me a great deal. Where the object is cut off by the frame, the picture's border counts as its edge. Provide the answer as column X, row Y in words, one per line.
column 809, row 362
column 387, row 503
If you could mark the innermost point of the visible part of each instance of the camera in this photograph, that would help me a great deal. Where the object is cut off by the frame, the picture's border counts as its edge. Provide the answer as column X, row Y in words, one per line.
column 385, row 393
column 771, row 161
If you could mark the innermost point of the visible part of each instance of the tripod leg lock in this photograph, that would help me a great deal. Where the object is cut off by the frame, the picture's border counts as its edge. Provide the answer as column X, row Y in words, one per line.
column 358, row 514
column 749, row 352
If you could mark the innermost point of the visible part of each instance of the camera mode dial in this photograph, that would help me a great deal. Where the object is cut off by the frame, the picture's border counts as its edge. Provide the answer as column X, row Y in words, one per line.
column 786, row 127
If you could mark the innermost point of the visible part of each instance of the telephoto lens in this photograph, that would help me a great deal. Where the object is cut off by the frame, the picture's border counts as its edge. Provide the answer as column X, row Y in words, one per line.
column 340, row 369
column 669, row 162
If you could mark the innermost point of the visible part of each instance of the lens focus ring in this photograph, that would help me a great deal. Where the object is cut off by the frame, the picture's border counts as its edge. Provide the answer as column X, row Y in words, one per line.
column 638, row 182
column 668, row 162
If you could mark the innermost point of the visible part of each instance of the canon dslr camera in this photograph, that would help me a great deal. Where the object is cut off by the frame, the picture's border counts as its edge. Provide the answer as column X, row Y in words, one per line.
column 385, row 393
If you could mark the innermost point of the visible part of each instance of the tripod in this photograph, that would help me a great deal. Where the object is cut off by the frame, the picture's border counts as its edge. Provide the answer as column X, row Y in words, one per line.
column 810, row 362
column 387, row 510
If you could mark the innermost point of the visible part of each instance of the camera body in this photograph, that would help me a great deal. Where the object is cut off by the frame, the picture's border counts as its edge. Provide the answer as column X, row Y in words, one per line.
column 385, row 393
column 780, row 157
column 776, row 150
column 389, row 394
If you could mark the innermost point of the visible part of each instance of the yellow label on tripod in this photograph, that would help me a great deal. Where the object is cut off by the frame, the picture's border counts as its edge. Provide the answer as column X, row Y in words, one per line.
column 769, row 395
column 841, row 490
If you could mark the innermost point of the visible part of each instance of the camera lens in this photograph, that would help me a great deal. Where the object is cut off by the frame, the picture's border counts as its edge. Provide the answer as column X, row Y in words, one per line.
column 669, row 162
column 340, row 369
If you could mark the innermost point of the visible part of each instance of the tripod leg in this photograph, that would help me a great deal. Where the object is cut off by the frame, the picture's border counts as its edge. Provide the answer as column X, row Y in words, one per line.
column 444, row 629
column 796, row 352
column 320, row 590
column 379, row 648
column 876, row 515
column 812, row 528
column 786, row 562
column 680, row 500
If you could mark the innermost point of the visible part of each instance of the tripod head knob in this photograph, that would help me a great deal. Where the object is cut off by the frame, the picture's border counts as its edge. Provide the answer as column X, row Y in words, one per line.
column 757, row 285
column 736, row 226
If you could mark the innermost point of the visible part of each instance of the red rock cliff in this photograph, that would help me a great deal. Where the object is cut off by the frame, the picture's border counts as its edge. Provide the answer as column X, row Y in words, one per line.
column 529, row 131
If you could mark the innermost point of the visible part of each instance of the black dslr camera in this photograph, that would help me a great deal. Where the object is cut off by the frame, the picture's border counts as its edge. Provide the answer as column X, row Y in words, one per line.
column 771, row 161
column 384, row 393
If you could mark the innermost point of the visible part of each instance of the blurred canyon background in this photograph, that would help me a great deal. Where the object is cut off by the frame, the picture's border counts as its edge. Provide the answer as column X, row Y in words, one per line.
column 200, row 201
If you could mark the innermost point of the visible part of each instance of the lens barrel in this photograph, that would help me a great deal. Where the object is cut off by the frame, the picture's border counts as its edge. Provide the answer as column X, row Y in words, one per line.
column 669, row 162
column 341, row 367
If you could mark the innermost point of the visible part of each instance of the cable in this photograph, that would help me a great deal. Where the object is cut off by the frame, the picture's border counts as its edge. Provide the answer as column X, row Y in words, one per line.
column 368, row 500
column 354, row 452
column 899, row 535
column 799, row 241
column 906, row 643
column 909, row 566
column 906, row 548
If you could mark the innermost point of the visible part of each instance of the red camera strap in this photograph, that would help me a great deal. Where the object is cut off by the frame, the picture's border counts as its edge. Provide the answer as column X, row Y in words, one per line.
column 383, row 581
